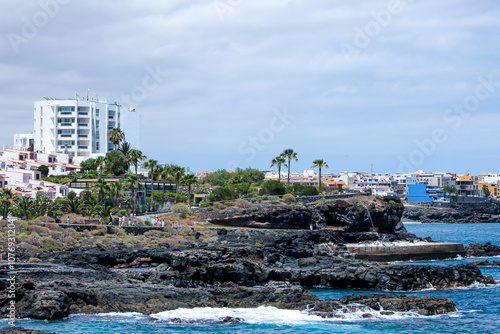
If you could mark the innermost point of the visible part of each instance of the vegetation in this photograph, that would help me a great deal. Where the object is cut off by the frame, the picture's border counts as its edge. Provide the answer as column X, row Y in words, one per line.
column 320, row 163
column 289, row 155
column 116, row 136
column 272, row 187
column 278, row 161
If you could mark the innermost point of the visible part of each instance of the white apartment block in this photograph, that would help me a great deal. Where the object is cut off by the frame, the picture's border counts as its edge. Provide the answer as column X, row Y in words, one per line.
column 79, row 127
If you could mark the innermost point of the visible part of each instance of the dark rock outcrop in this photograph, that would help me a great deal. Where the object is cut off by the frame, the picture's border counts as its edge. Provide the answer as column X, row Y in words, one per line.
column 21, row 330
column 354, row 214
column 478, row 249
column 488, row 212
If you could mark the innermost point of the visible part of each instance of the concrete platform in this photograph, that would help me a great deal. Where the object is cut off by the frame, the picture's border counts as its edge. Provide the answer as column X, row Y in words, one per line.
column 386, row 252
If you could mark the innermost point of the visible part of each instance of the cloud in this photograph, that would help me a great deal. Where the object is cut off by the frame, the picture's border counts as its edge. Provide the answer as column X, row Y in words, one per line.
column 229, row 64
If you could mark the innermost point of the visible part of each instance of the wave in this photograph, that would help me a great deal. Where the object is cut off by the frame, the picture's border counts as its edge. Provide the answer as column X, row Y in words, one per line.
column 273, row 315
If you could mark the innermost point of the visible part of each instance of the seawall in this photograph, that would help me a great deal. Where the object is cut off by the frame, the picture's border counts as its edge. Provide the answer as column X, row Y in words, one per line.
column 386, row 252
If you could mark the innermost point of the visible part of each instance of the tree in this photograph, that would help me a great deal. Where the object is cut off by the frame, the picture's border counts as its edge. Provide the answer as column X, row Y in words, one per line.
column 450, row 189
column 290, row 155
column 116, row 189
column 100, row 161
column 89, row 164
column 278, row 162
column 22, row 207
column 74, row 205
column 164, row 174
column 126, row 148
column 222, row 194
column 486, row 190
column 89, row 201
column 177, row 173
column 115, row 162
column 320, row 163
column 104, row 211
column 6, row 199
column 219, row 178
column 273, row 187
column 44, row 170
column 116, row 136
column 189, row 180
column 250, row 175
column 100, row 186
column 133, row 182
column 135, row 157
column 151, row 165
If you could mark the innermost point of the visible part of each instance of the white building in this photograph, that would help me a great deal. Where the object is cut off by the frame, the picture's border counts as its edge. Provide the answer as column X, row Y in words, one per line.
column 79, row 127
column 58, row 164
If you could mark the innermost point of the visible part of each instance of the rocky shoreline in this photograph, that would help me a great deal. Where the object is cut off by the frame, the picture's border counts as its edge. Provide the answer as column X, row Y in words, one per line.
column 237, row 267
column 453, row 213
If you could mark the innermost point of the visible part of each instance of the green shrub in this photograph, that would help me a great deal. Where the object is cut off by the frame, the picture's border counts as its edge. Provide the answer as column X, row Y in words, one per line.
column 186, row 231
column 288, row 199
column 97, row 232
column 49, row 244
column 243, row 204
column 272, row 187
column 274, row 199
column 21, row 225
column 210, row 208
column 33, row 260
column 148, row 223
column 116, row 230
column 200, row 228
column 183, row 215
column 39, row 229
column 180, row 208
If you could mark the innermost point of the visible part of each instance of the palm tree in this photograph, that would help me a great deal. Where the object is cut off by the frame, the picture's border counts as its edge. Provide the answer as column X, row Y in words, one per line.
column 177, row 173
column 101, row 186
column 135, row 156
column 290, row 155
column 189, row 180
column 104, row 211
column 74, row 205
column 116, row 136
column 6, row 199
column 164, row 174
column 23, row 207
column 133, row 182
column 151, row 164
column 126, row 148
column 278, row 161
column 100, row 161
column 116, row 189
column 320, row 163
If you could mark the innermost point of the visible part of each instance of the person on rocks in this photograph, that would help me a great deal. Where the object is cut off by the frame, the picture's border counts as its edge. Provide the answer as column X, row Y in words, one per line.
column 110, row 219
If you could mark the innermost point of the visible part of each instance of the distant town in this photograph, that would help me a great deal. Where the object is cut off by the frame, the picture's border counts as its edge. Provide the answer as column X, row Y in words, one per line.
column 74, row 136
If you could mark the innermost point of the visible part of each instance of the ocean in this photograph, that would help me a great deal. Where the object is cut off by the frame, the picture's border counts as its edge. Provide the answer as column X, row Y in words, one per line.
column 478, row 306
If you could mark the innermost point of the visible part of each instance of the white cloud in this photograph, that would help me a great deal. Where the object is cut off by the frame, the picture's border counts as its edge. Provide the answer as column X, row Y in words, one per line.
column 227, row 71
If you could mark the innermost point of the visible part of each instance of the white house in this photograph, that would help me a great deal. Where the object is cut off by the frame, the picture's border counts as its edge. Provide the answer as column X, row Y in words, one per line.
column 79, row 127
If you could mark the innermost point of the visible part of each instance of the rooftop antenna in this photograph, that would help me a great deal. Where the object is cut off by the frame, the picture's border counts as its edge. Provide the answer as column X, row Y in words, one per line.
column 88, row 89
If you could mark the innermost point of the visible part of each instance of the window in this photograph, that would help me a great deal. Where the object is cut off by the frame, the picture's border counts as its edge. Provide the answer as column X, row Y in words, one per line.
column 97, row 112
column 66, row 109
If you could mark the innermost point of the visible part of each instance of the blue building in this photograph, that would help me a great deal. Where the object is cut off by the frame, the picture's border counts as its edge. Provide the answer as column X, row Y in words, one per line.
column 424, row 192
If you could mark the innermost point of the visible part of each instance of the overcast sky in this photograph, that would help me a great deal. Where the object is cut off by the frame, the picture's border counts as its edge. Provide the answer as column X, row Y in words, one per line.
column 402, row 85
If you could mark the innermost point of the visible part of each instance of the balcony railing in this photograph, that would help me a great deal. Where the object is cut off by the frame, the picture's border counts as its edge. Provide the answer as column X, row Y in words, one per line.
column 83, row 125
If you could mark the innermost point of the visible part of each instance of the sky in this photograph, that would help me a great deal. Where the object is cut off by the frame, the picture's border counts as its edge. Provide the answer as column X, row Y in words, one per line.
column 389, row 86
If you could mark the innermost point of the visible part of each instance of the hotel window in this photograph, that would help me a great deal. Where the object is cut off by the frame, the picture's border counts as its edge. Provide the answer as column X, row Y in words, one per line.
column 97, row 112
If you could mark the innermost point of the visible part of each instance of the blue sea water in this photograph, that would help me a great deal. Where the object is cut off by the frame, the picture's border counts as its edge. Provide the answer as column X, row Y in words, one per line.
column 479, row 306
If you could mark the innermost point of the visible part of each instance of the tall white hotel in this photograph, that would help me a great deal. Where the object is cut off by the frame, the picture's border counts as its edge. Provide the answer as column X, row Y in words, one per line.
column 79, row 127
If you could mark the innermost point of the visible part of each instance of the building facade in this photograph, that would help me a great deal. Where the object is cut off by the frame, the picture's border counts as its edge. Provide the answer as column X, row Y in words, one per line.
column 79, row 127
